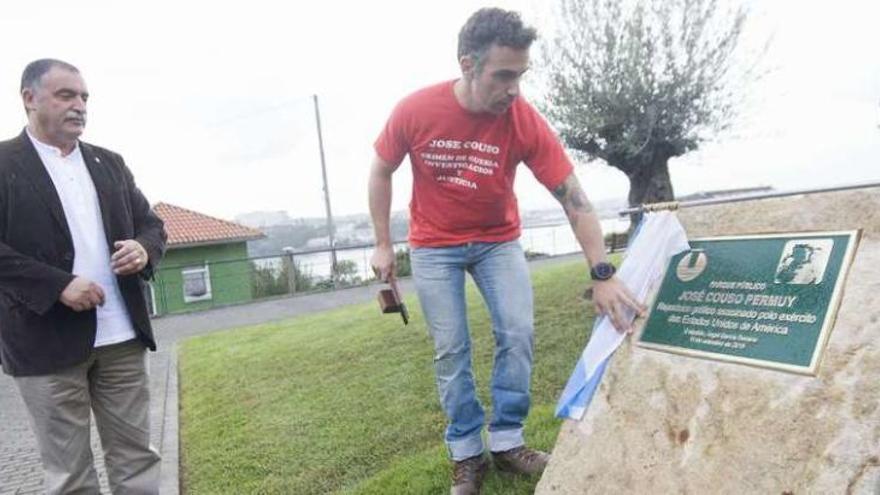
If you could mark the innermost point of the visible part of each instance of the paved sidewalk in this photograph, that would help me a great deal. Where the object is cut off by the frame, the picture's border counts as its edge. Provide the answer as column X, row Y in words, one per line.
column 20, row 469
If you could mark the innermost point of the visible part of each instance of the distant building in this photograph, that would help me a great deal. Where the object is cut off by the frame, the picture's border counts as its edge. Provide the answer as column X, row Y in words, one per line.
column 261, row 219
column 205, row 265
column 317, row 243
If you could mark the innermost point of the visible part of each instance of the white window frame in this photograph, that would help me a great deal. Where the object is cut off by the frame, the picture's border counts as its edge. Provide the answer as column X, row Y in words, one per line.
column 206, row 272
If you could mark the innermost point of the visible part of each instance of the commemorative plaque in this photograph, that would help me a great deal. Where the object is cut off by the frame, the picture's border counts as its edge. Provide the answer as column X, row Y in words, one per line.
column 762, row 300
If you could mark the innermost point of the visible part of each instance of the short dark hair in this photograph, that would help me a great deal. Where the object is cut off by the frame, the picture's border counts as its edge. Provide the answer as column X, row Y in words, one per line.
column 493, row 26
column 36, row 69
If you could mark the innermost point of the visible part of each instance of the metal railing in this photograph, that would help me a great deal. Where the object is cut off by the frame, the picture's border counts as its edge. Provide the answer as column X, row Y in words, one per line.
column 674, row 205
column 213, row 283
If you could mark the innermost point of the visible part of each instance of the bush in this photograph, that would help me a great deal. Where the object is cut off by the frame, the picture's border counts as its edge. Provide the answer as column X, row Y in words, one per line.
column 531, row 255
column 302, row 278
column 265, row 282
column 404, row 268
column 346, row 274
column 270, row 281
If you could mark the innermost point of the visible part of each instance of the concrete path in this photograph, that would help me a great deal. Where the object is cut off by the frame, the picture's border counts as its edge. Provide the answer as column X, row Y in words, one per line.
column 20, row 469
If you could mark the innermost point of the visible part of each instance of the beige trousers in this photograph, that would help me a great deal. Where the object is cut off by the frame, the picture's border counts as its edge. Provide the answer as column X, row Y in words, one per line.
column 113, row 383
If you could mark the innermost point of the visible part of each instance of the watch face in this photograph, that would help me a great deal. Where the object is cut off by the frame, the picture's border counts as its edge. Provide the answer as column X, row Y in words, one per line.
column 603, row 271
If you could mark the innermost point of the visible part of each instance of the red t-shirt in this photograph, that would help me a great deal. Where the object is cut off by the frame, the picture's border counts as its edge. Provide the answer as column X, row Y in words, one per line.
column 464, row 165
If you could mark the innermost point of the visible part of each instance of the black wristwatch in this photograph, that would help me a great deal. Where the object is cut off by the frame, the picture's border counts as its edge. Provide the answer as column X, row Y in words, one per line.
column 602, row 271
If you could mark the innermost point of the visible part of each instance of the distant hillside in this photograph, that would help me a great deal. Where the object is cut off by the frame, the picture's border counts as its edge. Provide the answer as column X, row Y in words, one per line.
column 304, row 234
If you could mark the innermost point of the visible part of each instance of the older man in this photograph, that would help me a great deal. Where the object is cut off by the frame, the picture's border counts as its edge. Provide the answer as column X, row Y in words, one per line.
column 77, row 238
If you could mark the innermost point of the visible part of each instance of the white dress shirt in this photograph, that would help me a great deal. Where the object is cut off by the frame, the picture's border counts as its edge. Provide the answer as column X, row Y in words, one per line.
column 91, row 258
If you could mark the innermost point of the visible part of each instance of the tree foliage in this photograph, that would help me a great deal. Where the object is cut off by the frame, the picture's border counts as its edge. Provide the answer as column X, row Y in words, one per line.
column 636, row 83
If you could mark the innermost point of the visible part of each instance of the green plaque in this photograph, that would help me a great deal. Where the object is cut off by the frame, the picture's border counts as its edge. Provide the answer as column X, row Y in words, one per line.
column 763, row 300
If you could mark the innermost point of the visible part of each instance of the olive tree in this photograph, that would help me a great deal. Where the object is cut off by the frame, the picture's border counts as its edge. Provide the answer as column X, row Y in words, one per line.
column 635, row 83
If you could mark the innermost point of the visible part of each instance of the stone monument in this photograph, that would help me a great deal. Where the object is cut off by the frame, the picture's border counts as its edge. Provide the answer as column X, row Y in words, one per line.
column 667, row 423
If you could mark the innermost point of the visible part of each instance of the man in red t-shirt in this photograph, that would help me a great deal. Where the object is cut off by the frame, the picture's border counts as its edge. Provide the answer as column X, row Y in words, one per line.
column 465, row 139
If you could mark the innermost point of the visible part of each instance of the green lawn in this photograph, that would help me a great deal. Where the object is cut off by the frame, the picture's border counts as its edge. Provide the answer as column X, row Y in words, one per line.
column 344, row 401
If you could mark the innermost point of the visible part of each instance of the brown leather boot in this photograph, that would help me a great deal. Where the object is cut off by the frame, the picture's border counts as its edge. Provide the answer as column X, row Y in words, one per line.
column 467, row 475
column 521, row 460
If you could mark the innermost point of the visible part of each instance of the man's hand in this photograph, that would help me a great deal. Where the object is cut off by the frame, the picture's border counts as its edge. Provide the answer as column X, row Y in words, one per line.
column 130, row 257
column 383, row 262
column 82, row 294
column 611, row 297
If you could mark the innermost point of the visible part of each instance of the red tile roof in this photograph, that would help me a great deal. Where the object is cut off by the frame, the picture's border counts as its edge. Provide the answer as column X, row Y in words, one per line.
column 189, row 228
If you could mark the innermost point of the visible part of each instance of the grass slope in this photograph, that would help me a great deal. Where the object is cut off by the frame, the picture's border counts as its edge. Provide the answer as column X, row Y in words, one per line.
column 344, row 401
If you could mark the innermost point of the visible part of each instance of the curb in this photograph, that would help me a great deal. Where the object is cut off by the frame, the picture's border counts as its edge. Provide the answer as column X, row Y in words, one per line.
column 169, row 443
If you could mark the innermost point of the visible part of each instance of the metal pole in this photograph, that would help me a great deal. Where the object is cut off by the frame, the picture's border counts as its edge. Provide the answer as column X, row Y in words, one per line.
column 290, row 263
column 330, row 227
column 674, row 205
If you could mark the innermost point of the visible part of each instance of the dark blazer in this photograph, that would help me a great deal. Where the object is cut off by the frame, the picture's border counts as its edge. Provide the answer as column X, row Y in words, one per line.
column 39, row 334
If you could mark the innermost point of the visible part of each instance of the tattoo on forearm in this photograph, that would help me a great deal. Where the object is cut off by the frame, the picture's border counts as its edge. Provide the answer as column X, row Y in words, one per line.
column 560, row 192
column 579, row 200
column 572, row 197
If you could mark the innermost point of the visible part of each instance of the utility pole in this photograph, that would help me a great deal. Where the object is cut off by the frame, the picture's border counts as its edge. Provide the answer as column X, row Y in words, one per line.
column 330, row 227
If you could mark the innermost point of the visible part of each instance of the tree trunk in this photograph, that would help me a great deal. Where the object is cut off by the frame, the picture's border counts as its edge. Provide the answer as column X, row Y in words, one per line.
column 649, row 183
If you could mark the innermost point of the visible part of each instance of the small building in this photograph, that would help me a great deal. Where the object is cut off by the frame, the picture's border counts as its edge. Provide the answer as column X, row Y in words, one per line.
column 206, row 263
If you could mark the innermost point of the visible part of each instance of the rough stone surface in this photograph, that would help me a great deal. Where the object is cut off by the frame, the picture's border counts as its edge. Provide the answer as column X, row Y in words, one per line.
column 663, row 423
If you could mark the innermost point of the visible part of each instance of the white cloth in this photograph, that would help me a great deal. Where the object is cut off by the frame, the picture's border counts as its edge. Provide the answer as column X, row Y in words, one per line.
column 659, row 237
column 91, row 258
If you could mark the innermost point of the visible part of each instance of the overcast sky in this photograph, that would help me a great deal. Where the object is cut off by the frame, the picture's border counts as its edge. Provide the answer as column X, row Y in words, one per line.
column 210, row 102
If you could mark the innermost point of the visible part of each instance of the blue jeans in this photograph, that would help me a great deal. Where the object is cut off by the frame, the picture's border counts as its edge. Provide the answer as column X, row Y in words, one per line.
column 501, row 274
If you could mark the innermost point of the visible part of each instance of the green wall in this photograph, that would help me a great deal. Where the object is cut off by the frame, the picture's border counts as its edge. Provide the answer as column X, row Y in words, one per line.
column 230, row 274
